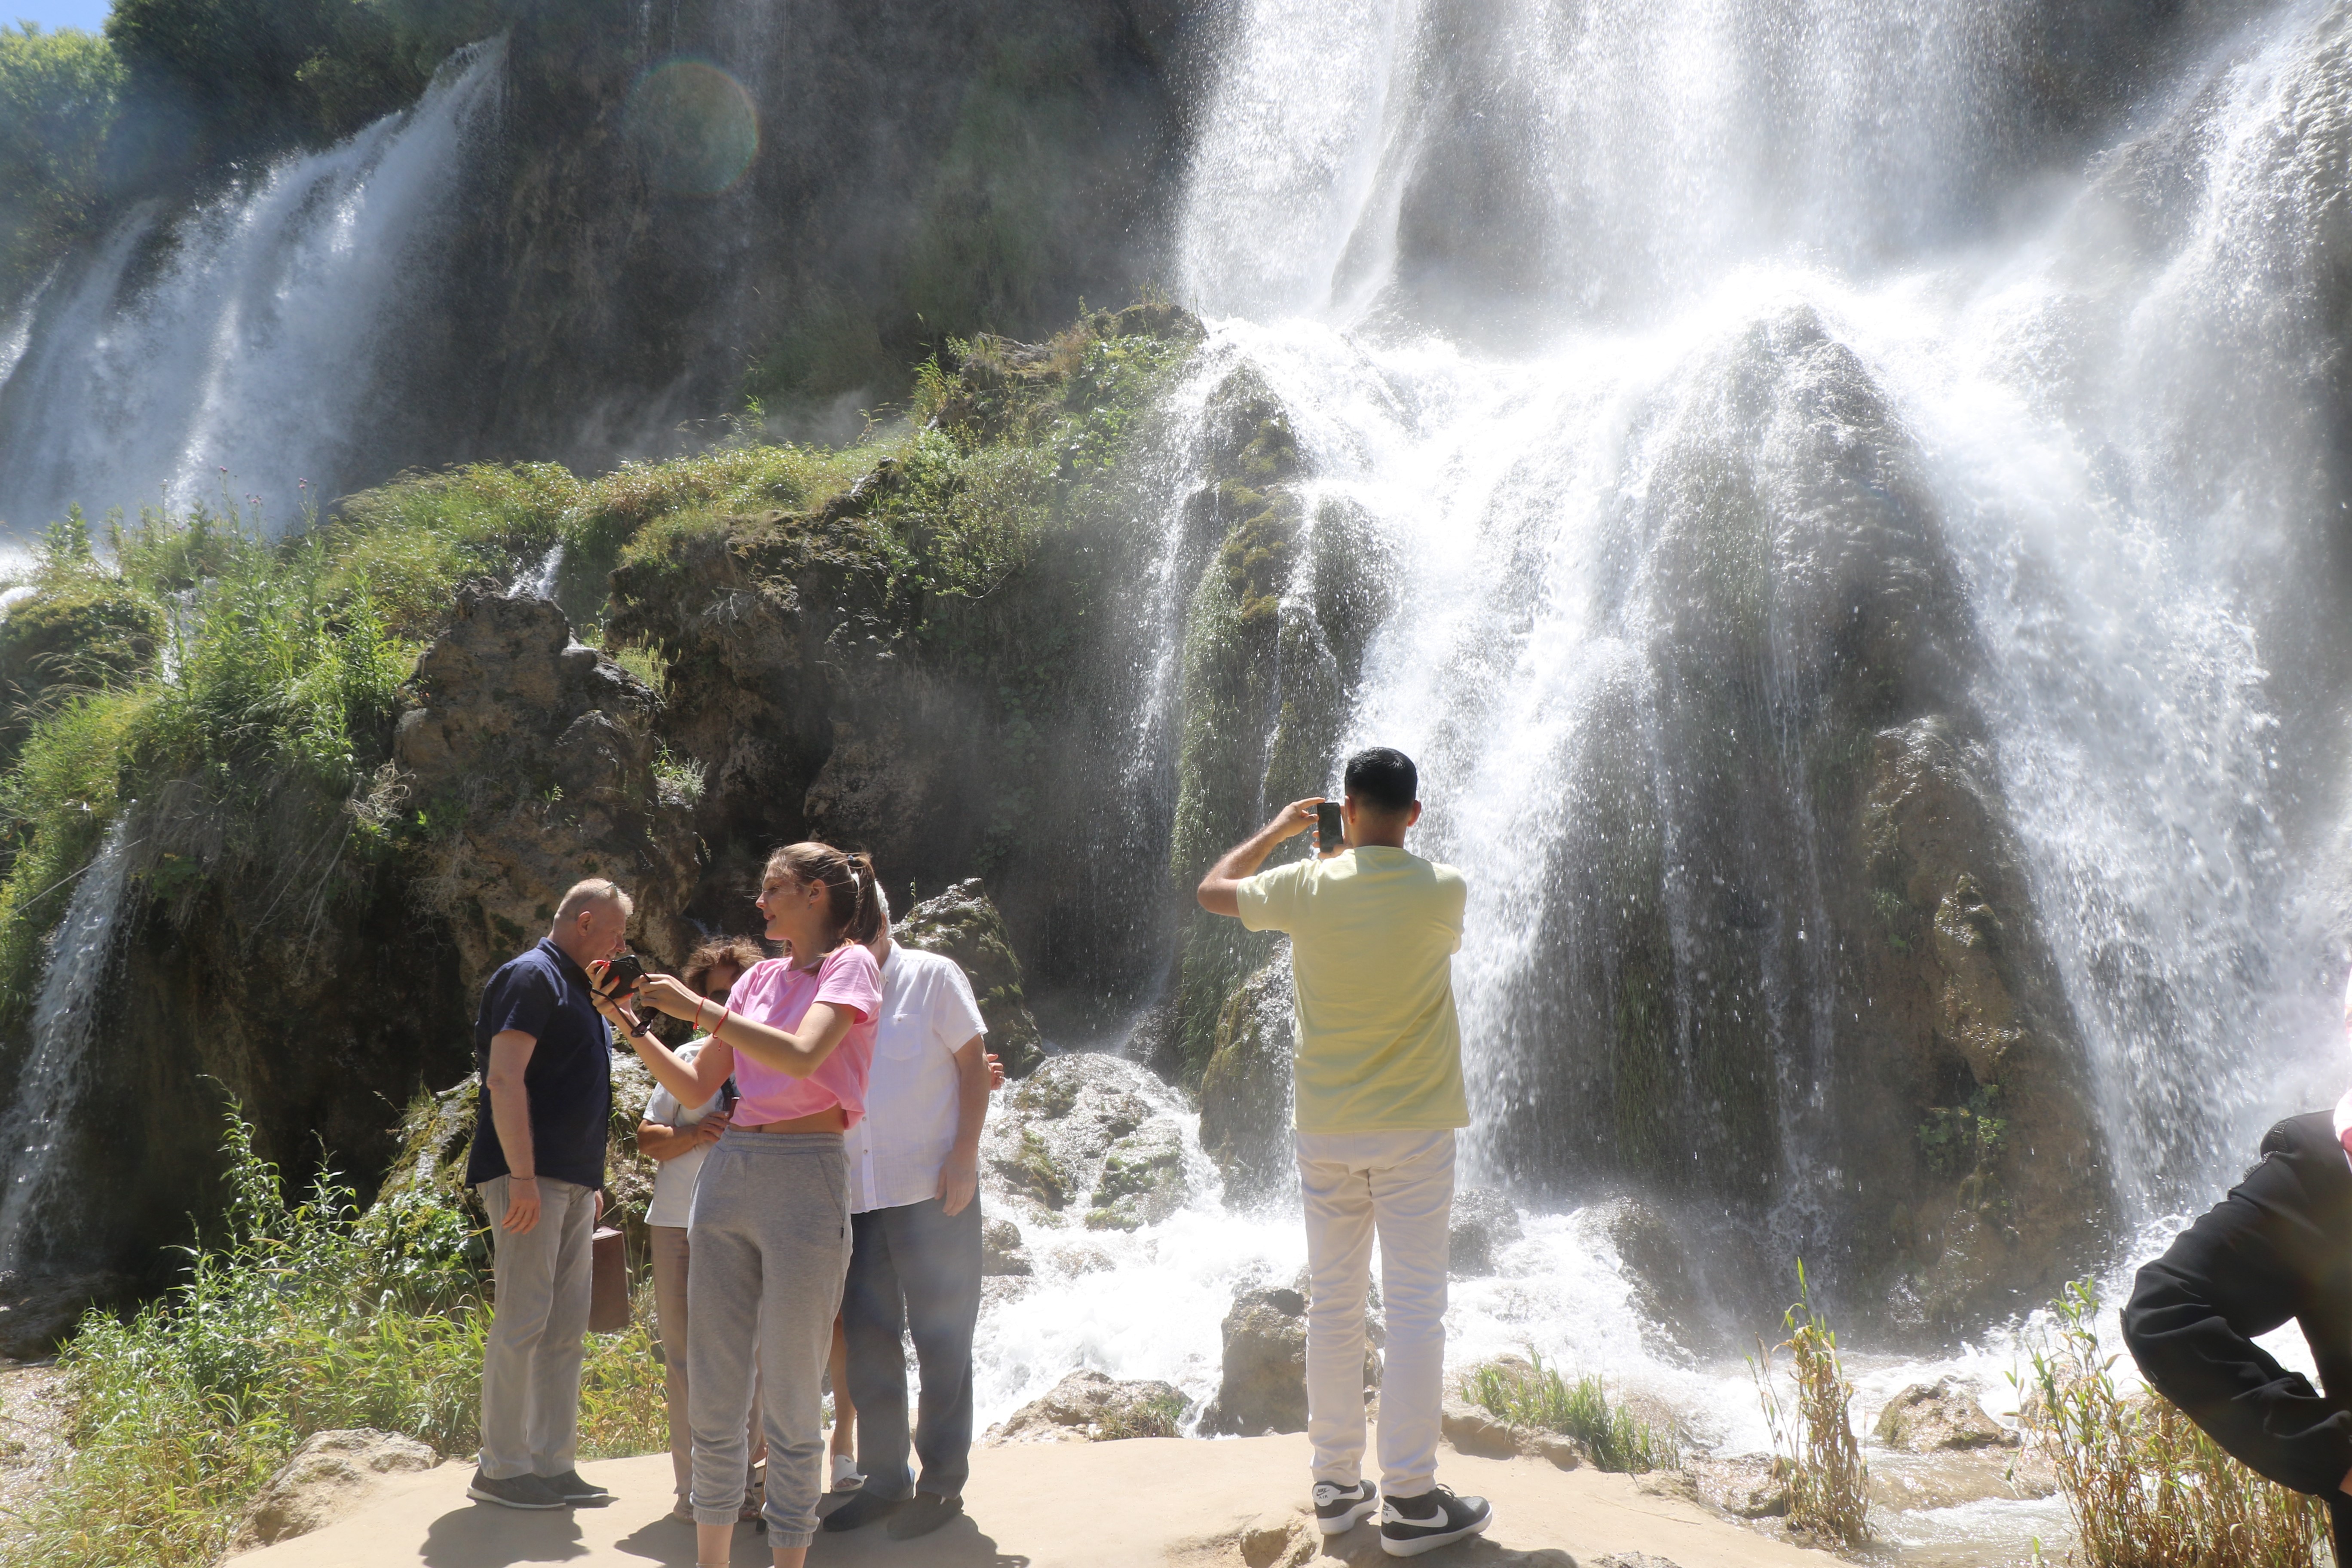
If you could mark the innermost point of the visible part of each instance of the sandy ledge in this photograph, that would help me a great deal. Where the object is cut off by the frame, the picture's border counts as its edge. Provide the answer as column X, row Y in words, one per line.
column 1144, row 1501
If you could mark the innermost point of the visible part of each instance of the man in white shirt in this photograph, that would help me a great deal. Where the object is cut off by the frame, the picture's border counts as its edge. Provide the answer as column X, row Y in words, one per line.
column 914, row 1201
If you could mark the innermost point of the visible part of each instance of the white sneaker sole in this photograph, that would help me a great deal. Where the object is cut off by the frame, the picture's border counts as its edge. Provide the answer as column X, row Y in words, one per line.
column 1421, row 1543
column 1347, row 1522
column 478, row 1495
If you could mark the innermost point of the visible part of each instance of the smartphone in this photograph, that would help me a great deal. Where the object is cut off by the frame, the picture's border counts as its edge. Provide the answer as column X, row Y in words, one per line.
column 1330, row 829
column 617, row 979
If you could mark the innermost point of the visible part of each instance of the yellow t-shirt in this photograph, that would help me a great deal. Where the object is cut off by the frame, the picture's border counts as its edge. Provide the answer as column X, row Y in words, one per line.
column 1373, row 931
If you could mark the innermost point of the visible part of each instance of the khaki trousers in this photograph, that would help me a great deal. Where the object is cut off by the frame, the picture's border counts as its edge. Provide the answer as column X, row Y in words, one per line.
column 1399, row 1186
column 538, row 1338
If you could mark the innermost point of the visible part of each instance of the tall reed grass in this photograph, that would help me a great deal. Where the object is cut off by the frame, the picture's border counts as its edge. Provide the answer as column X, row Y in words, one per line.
column 1828, row 1482
column 2145, row 1487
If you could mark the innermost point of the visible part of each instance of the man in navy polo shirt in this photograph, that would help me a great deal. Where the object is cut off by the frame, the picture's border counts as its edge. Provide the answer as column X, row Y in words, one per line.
column 538, row 1160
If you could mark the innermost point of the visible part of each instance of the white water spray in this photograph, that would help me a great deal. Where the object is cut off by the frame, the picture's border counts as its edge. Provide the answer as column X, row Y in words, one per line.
column 59, row 1065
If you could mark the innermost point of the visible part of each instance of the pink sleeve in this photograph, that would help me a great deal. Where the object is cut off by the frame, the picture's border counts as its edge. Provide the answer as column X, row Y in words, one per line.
column 850, row 978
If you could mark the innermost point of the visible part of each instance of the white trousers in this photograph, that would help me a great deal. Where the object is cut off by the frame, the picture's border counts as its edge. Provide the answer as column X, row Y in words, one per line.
column 1399, row 1186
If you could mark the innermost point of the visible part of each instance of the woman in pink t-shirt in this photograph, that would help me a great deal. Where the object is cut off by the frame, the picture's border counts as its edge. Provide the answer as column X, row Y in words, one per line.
column 769, row 1231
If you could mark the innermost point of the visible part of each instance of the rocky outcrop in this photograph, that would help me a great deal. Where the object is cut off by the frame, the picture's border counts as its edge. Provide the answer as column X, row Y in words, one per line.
column 1087, row 1407
column 1246, row 1091
column 2005, row 1193
column 962, row 924
column 1484, row 1222
column 1655, row 1256
column 1262, row 1386
column 1090, row 1133
column 1746, row 1485
column 529, row 760
column 1927, row 1418
column 330, row 1475
column 921, row 670
column 999, row 1248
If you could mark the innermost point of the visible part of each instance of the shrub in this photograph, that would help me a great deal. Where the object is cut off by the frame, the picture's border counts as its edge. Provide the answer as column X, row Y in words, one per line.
column 1828, row 1482
column 2146, row 1488
column 1539, row 1396
column 59, row 94
column 303, row 1317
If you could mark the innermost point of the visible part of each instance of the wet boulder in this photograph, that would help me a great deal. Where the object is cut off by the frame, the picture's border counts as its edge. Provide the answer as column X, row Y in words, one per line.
column 962, row 923
column 999, row 1248
column 1143, row 1179
column 1090, row 1134
column 1245, row 1092
column 1746, row 1485
column 1927, row 1418
column 1263, row 1383
column 1089, row 1406
column 1483, row 1223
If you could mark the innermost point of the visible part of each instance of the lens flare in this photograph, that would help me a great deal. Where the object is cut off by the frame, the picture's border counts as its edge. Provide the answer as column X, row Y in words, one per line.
column 695, row 126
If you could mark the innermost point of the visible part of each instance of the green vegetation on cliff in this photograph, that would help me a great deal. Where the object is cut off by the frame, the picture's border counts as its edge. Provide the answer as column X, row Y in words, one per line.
column 59, row 95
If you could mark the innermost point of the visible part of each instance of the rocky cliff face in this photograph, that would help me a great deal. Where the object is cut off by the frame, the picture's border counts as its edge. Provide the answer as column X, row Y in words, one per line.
column 796, row 200
column 527, row 760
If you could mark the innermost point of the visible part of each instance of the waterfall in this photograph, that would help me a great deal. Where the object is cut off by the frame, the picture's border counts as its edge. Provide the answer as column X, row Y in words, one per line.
column 53, row 1086
column 236, row 347
column 1648, row 341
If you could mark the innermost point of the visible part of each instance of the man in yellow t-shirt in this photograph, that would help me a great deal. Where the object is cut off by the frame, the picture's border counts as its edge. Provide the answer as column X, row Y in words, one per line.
column 1373, row 930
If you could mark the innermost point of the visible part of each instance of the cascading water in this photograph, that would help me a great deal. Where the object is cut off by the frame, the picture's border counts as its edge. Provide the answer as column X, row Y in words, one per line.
column 237, row 344
column 1802, row 324
column 58, row 1062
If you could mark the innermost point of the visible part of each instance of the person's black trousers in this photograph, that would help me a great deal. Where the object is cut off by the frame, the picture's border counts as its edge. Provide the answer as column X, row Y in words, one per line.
column 913, row 1270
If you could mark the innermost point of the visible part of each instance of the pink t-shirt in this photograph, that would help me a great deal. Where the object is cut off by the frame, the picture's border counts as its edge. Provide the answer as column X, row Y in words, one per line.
column 776, row 994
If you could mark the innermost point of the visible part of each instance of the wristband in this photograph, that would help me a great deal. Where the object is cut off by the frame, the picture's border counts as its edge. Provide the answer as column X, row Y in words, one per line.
column 697, row 1012
column 512, row 1177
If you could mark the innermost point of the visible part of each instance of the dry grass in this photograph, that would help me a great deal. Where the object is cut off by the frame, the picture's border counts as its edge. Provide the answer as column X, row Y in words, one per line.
column 2146, row 1488
column 1828, row 1482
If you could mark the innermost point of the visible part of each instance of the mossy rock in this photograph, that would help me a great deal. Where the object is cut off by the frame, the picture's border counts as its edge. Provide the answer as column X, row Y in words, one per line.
column 962, row 924
column 86, row 632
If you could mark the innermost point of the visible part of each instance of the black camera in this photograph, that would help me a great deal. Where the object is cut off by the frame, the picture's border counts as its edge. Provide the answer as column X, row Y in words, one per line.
column 615, row 979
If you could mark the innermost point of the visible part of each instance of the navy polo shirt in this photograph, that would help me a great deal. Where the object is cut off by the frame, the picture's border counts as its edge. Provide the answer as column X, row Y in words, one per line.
column 569, row 1079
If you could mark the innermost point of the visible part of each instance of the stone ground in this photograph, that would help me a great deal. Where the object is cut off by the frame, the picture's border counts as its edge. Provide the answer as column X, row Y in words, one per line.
column 1179, row 1503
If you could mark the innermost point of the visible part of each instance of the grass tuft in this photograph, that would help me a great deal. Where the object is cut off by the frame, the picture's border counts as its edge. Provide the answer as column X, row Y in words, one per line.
column 1538, row 1396
column 2146, row 1486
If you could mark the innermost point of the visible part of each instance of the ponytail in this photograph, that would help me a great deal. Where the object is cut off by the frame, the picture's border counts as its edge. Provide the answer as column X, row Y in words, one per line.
column 851, row 895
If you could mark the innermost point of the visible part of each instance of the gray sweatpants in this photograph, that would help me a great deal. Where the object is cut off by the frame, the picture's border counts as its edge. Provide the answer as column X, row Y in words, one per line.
column 531, row 1356
column 770, row 1236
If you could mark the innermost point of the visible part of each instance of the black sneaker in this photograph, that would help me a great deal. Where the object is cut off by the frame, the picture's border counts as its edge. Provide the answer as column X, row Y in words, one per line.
column 574, row 1488
column 922, row 1515
column 1412, row 1525
column 1336, row 1508
column 863, row 1509
column 515, row 1491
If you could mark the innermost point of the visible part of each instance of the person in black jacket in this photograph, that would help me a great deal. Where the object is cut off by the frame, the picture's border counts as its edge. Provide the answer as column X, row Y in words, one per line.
column 2278, row 1246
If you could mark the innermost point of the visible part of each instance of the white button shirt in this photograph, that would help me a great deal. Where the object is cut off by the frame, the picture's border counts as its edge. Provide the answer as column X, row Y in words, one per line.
column 910, row 1127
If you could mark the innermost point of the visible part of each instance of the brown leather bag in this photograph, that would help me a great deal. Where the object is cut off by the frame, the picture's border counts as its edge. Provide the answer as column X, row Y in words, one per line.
column 608, row 1293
